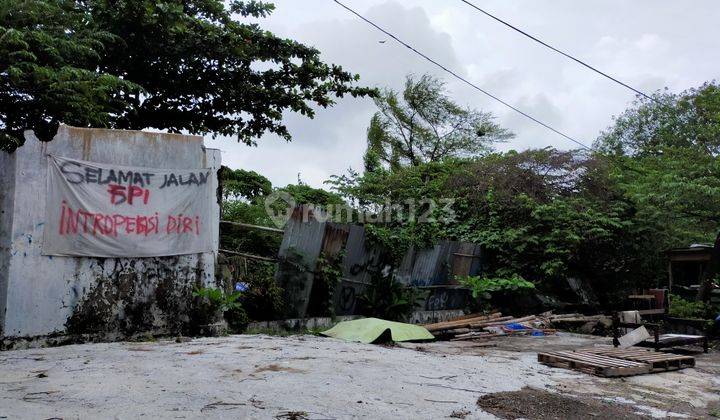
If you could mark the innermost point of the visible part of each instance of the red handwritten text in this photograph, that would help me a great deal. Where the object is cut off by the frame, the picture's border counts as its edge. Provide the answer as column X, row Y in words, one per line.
column 81, row 221
column 120, row 193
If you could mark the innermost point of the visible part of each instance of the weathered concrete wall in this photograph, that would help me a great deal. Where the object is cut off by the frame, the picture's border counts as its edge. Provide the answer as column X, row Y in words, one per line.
column 7, row 192
column 43, row 295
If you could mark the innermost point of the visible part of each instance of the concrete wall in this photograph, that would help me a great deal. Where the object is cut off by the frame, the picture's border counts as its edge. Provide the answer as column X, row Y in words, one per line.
column 45, row 295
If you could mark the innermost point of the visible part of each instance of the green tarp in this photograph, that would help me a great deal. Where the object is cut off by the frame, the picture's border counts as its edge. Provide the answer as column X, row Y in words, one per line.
column 368, row 330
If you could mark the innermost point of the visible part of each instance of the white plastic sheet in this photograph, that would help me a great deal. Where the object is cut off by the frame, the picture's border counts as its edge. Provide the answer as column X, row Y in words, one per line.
column 106, row 210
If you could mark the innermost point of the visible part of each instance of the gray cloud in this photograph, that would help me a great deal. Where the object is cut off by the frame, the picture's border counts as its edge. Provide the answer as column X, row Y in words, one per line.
column 648, row 43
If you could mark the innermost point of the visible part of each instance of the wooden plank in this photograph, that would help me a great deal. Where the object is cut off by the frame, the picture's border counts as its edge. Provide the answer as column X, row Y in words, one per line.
column 501, row 321
column 251, row 256
column 599, row 359
column 651, row 311
column 570, row 360
column 476, row 315
column 658, row 361
column 249, row 226
column 633, row 369
column 464, row 323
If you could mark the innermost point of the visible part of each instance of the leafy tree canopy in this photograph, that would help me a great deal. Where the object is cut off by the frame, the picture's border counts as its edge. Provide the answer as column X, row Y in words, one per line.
column 305, row 194
column 668, row 152
column 666, row 160
column 424, row 125
column 239, row 183
column 542, row 214
column 191, row 66
column 689, row 120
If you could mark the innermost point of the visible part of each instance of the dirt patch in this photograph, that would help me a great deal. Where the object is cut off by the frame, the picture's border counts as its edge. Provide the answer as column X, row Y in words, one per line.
column 532, row 404
column 459, row 414
column 278, row 368
column 292, row 415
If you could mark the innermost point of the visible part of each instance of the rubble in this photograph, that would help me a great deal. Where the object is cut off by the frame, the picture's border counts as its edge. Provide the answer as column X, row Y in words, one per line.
column 478, row 326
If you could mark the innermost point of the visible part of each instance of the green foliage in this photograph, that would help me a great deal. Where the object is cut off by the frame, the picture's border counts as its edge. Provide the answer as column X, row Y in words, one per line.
column 682, row 308
column 425, row 125
column 483, row 286
column 387, row 299
column 212, row 302
column 50, row 53
column 605, row 217
column 399, row 200
column 676, row 194
column 327, row 277
column 218, row 299
column 542, row 214
column 305, row 194
column 252, row 241
column 242, row 184
column 243, row 194
column 183, row 66
column 264, row 298
column 688, row 120
column 667, row 165
column 667, row 154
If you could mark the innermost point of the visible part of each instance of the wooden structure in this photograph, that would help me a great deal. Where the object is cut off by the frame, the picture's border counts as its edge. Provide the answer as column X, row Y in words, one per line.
column 594, row 364
column 614, row 362
column 658, row 361
column 659, row 339
column 686, row 267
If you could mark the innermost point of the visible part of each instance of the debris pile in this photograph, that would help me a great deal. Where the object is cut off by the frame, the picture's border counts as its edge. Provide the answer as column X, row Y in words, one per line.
column 479, row 326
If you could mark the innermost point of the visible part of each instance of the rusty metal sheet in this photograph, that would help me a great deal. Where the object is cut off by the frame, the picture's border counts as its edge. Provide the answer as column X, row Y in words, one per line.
column 465, row 261
column 334, row 239
column 440, row 264
column 361, row 261
column 301, row 245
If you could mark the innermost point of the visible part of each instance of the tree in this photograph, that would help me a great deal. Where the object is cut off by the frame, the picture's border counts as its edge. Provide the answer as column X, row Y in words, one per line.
column 186, row 66
column 667, row 153
column 548, row 215
column 425, row 125
column 689, row 120
column 49, row 53
column 239, row 183
column 545, row 215
column 305, row 194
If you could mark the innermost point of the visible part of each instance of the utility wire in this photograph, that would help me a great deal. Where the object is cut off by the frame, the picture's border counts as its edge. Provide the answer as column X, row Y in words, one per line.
column 541, row 42
column 457, row 76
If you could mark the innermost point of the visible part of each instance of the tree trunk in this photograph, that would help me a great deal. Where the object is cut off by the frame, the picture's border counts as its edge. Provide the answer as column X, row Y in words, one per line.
column 710, row 273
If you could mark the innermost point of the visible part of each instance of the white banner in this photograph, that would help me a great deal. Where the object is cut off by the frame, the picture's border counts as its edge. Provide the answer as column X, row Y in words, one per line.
column 105, row 210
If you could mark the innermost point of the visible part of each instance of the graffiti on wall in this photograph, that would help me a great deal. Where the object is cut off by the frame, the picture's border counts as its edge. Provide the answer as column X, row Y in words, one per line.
column 116, row 211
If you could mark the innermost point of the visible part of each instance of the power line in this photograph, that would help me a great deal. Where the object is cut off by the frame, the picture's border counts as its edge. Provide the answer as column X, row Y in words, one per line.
column 457, row 76
column 541, row 42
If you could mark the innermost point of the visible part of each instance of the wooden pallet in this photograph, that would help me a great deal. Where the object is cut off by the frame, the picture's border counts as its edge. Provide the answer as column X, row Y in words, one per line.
column 596, row 364
column 659, row 361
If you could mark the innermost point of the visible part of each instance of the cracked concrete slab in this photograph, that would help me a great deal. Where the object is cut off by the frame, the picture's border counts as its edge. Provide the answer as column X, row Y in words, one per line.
column 259, row 376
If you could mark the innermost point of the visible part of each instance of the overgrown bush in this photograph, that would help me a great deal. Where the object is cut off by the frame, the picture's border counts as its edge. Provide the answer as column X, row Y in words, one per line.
column 682, row 308
column 483, row 287
column 388, row 299
column 327, row 277
column 213, row 304
column 263, row 299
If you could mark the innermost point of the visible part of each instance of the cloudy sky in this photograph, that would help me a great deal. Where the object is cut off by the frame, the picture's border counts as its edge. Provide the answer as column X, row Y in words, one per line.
column 649, row 44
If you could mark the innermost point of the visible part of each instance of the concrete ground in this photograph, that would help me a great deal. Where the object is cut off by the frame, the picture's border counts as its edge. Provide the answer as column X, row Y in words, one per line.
column 259, row 376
